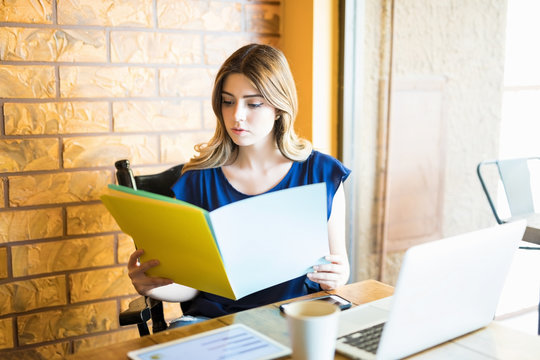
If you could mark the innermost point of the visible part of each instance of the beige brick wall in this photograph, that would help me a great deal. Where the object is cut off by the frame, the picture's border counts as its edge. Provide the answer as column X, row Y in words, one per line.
column 82, row 84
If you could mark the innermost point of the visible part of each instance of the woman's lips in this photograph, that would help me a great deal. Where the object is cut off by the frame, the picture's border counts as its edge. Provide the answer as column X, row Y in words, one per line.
column 239, row 131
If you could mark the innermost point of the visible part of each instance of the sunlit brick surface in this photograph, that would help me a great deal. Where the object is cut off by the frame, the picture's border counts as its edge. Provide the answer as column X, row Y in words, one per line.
column 105, row 12
column 58, row 188
column 30, row 224
column 263, row 18
column 33, row 82
column 125, row 248
column 62, row 255
column 221, row 46
column 2, row 198
column 93, row 81
column 72, row 321
column 6, row 333
column 97, row 151
column 157, row 116
column 181, row 147
column 100, row 284
column 56, row 118
column 89, row 219
column 26, row 154
column 209, row 118
column 53, row 45
column 27, row 295
column 3, row 263
column 57, row 351
column 186, row 82
column 152, row 48
column 26, row 11
column 87, row 344
column 199, row 15
column 84, row 83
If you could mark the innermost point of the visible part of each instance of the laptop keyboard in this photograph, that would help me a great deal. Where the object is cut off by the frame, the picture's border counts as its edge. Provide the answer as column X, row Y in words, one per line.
column 365, row 339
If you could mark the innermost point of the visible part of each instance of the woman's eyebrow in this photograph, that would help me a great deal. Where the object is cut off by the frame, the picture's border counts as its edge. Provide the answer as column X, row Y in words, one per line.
column 245, row 96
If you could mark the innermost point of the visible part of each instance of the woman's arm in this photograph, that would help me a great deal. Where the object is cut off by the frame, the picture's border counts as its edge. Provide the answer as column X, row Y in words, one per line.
column 335, row 274
column 150, row 286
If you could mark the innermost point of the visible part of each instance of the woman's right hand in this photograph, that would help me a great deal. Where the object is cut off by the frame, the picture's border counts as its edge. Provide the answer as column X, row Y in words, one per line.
column 136, row 271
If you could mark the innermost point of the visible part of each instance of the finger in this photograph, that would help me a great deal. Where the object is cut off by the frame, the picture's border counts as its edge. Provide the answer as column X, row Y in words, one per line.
column 142, row 268
column 335, row 258
column 326, row 284
column 332, row 267
column 153, row 282
column 323, row 276
column 134, row 257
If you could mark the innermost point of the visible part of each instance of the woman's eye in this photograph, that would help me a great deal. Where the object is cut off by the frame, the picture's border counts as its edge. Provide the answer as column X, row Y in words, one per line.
column 226, row 102
column 256, row 105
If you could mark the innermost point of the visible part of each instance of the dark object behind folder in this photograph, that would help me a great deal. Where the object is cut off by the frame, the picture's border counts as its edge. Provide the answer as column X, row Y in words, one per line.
column 143, row 309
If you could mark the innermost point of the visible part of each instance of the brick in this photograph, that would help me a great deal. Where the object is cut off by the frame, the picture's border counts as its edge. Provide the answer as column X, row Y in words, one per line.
column 105, row 150
column 56, row 351
column 3, row 263
column 56, row 118
column 105, row 12
column 179, row 148
column 89, row 219
column 100, row 284
column 48, row 257
column 217, row 48
column 30, row 224
column 263, row 18
column 110, row 338
column 57, row 188
column 29, row 154
column 199, row 15
column 6, row 333
column 272, row 40
column 33, row 294
column 155, row 48
column 125, row 248
column 171, row 310
column 34, row 82
column 124, row 302
column 157, row 116
column 103, row 81
column 2, row 197
column 186, row 82
column 209, row 118
column 68, row 322
column 25, row 11
column 24, row 44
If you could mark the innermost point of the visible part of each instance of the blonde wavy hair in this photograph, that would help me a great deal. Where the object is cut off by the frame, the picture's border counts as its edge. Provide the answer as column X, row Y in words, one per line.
column 268, row 71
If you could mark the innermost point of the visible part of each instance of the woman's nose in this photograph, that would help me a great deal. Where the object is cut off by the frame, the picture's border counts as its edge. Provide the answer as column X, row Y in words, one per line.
column 240, row 113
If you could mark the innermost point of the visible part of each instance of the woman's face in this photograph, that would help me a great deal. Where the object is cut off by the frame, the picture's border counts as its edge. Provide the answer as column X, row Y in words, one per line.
column 248, row 118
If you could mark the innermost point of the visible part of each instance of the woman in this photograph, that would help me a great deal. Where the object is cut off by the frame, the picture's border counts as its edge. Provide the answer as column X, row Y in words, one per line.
column 255, row 150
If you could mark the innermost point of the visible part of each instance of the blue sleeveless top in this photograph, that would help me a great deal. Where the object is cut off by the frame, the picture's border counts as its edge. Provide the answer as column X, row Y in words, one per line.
column 210, row 189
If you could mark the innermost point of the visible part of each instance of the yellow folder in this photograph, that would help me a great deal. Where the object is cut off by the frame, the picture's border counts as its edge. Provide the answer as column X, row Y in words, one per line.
column 232, row 251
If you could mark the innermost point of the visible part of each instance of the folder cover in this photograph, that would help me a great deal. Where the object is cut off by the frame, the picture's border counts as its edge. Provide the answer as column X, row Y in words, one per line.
column 232, row 251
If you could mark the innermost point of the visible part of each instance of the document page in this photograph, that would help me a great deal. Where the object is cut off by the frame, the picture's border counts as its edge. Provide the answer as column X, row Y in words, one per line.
column 271, row 238
column 234, row 342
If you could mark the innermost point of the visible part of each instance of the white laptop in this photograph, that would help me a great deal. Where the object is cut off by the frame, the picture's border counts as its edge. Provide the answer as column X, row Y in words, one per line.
column 445, row 289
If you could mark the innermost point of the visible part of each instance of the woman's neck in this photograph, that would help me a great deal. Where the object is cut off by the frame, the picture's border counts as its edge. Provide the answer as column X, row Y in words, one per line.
column 257, row 169
column 258, row 158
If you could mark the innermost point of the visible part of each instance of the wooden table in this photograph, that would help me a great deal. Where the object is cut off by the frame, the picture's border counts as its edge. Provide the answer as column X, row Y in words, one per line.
column 494, row 341
column 532, row 232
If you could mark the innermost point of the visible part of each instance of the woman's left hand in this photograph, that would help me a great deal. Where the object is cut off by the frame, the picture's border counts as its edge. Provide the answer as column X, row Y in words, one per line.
column 332, row 275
